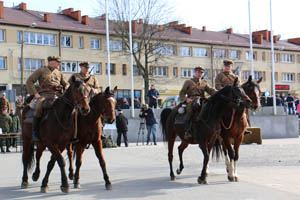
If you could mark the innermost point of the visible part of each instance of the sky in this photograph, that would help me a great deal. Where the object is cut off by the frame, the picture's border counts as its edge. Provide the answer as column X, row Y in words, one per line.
column 216, row 15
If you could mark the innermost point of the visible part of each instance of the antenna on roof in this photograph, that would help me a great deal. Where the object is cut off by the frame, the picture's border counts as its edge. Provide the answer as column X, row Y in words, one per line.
column 59, row 9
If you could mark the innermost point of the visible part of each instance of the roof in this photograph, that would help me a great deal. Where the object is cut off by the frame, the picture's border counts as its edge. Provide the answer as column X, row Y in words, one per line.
column 15, row 16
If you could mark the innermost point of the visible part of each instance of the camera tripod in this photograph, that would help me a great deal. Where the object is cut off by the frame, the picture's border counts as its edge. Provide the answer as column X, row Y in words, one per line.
column 142, row 130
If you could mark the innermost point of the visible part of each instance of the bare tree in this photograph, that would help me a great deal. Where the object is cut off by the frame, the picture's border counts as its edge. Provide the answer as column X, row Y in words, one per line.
column 151, row 32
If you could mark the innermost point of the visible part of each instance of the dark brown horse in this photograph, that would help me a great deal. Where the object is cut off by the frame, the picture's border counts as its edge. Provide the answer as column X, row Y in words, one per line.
column 234, row 124
column 56, row 132
column 206, row 126
column 89, row 132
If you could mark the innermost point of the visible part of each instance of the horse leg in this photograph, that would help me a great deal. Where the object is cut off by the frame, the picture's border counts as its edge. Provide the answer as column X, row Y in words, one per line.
column 229, row 163
column 79, row 152
column 205, row 151
column 64, row 180
column 98, row 151
column 237, row 143
column 70, row 156
column 181, row 148
column 39, row 153
column 28, row 159
column 171, row 141
column 44, row 187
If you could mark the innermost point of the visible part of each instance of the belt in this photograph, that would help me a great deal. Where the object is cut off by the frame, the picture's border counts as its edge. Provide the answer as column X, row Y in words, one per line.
column 52, row 87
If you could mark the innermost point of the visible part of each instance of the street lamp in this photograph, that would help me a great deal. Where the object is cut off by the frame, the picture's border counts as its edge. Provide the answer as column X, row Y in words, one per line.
column 22, row 56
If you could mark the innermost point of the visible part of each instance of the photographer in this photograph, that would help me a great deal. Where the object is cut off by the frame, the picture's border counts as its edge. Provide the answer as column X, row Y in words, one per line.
column 151, row 122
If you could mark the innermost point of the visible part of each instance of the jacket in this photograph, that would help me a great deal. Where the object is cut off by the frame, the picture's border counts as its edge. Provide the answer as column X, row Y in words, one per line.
column 121, row 123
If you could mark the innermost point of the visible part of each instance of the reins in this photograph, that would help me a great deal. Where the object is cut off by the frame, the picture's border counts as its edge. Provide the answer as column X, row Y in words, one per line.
column 231, row 121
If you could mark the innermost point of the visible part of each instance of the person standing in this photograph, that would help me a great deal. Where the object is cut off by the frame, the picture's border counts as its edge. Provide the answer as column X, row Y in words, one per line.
column 153, row 95
column 137, row 103
column 151, row 122
column 19, row 107
column 4, row 103
column 51, row 83
column 122, row 128
column 5, row 125
column 125, row 104
column 290, row 103
column 16, row 125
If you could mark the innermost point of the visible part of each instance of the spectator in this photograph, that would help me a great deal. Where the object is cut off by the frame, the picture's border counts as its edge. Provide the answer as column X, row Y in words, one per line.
column 4, row 103
column 125, row 104
column 290, row 102
column 153, row 95
column 16, row 125
column 137, row 103
column 122, row 128
column 278, row 100
column 5, row 125
column 283, row 102
column 151, row 122
column 296, row 104
column 19, row 107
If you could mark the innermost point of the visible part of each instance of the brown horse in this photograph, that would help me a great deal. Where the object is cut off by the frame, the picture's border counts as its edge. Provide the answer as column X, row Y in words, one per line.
column 234, row 124
column 89, row 132
column 206, row 126
column 57, row 131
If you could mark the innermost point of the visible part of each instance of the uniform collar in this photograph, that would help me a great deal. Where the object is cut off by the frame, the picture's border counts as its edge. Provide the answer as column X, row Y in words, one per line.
column 84, row 75
column 51, row 68
column 227, row 73
column 195, row 79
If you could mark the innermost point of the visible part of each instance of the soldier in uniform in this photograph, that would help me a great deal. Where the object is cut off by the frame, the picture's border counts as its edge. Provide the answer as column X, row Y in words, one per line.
column 92, row 84
column 19, row 107
column 51, row 82
column 195, row 87
column 5, row 125
column 4, row 102
column 227, row 78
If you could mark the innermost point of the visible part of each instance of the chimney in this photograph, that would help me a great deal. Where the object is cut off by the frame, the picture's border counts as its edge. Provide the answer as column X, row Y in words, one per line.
column 103, row 17
column 85, row 19
column 22, row 6
column 187, row 30
column 47, row 17
column 140, row 21
column 173, row 24
column 229, row 30
column 180, row 26
column 294, row 41
column 134, row 27
column 68, row 11
column 258, row 38
column 275, row 38
column 160, row 27
column 266, row 34
column 203, row 28
column 1, row 10
column 76, row 15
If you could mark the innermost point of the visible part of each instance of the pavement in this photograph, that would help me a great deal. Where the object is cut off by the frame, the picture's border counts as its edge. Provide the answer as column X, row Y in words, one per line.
column 267, row 171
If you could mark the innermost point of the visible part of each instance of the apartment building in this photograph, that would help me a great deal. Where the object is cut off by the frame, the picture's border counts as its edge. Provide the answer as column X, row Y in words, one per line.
column 35, row 35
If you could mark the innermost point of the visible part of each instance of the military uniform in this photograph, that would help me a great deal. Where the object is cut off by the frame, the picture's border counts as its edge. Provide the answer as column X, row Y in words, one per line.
column 4, row 103
column 19, row 108
column 92, row 83
column 224, row 78
column 6, row 126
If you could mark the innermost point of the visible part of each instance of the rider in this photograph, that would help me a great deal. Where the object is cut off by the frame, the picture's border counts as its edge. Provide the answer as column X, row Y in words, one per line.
column 227, row 78
column 51, row 82
column 193, row 88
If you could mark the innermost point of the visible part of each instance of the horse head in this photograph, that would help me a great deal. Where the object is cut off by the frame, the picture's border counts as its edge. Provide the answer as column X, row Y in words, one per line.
column 79, row 95
column 252, row 89
column 109, row 105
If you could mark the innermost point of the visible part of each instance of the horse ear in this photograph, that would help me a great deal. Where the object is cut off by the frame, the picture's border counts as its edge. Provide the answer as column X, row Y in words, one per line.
column 258, row 82
column 250, row 78
column 86, row 80
column 107, row 90
column 236, row 81
column 115, row 89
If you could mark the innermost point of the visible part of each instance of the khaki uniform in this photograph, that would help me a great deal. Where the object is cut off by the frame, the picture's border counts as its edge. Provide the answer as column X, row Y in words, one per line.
column 194, row 88
column 225, row 78
column 92, row 82
column 5, row 123
column 19, row 108
column 4, row 103
column 49, row 82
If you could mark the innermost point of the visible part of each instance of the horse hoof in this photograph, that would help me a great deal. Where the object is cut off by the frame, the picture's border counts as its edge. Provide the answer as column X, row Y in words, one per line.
column 71, row 176
column 35, row 177
column 64, row 189
column 24, row 185
column 173, row 178
column 201, row 181
column 108, row 186
column 178, row 171
column 231, row 179
column 77, row 185
column 44, row 189
column 236, row 179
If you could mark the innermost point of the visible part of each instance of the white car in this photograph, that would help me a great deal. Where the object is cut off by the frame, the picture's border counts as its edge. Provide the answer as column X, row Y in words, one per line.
column 171, row 102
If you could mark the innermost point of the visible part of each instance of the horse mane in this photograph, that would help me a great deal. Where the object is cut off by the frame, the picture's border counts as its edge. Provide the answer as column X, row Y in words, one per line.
column 95, row 98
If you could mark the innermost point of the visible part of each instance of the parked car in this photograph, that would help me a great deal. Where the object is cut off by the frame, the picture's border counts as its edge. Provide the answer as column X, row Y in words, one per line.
column 171, row 102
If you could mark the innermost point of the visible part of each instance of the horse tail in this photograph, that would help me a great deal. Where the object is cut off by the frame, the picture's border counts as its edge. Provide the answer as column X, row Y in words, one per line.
column 217, row 149
column 163, row 122
column 28, row 157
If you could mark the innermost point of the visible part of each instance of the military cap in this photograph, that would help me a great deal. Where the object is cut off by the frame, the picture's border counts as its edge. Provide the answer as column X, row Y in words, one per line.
column 228, row 62
column 84, row 64
column 200, row 69
column 55, row 58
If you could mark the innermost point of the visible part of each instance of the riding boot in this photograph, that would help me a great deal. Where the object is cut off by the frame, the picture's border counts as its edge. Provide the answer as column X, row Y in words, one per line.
column 247, row 132
column 35, row 129
column 188, row 129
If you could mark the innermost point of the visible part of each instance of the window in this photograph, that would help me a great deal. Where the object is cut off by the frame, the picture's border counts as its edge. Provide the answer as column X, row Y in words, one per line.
column 246, row 75
column 298, row 77
column 124, row 69
column 185, row 51
column 263, row 56
column 258, row 75
column 219, row 53
column 165, row 50
column 37, row 38
column 200, row 52
column 136, row 71
column 112, row 68
column 95, row 68
column 276, row 76
column 161, row 71
column 66, row 41
column 248, row 57
column 233, row 54
column 277, row 57
column 288, row 58
column 1, row 35
column 187, row 73
column 95, row 43
column 80, row 42
column 175, row 71
column 115, row 45
column 30, row 64
column 69, row 66
column 2, row 63
column 288, row 77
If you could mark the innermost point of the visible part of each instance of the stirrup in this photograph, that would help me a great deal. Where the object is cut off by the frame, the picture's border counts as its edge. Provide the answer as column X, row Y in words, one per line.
column 74, row 140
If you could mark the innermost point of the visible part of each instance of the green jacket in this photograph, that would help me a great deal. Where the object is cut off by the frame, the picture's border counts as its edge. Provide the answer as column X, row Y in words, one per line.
column 5, row 123
column 16, row 125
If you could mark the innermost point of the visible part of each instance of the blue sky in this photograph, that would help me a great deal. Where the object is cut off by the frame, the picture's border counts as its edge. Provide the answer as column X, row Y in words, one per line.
column 216, row 15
